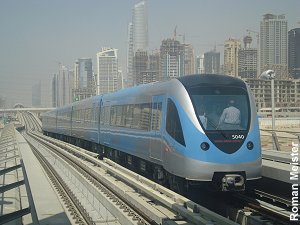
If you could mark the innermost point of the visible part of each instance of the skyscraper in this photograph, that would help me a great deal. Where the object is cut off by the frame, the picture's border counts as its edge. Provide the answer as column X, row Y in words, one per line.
column 83, row 79
column 137, row 38
column 140, row 63
column 83, row 73
column 62, row 84
column 130, row 55
column 146, row 67
column 247, row 63
column 140, row 26
column 274, row 44
column 199, row 64
column 231, row 50
column 171, row 59
column 211, row 62
column 189, row 59
column 294, row 53
column 107, row 71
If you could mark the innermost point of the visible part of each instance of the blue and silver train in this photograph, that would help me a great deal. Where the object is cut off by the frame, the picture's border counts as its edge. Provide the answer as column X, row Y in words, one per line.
column 170, row 131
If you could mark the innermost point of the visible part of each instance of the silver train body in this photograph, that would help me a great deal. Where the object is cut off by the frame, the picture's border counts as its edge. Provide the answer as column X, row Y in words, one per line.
column 157, row 128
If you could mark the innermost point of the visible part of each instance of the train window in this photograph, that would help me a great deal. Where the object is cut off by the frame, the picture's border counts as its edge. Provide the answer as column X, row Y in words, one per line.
column 85, row 114
column 136, row 117
column 145, row 116
column 156, row 116
column 173, row 125
column 79, row 114
column 129, row 115
column 221, row 107
column 123, row 115
column 88, row 117
column 119, row 112
column 95, row 112
column 113, row 115
column 82, row 114
column 105, row 115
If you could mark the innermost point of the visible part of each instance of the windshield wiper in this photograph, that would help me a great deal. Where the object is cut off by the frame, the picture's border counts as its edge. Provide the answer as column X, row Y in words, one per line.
column 216, row 127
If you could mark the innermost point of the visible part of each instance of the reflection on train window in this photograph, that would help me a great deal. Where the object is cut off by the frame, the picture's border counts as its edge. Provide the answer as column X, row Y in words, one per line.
column 145, row 116
column 129, row 115
column 134, row 116
column 104, row 116
column 221, row 108
column 156, row 115
column 173, row 125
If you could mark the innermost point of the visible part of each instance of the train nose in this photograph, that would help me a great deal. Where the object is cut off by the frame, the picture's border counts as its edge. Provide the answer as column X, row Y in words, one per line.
column 234, row 182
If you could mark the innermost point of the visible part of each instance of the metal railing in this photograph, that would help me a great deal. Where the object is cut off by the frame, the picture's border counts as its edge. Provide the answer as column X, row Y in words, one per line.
column 280, row 140
column 13, row 178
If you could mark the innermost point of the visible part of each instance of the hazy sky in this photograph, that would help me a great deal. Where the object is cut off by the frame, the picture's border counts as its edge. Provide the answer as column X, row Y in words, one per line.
column 37, row 34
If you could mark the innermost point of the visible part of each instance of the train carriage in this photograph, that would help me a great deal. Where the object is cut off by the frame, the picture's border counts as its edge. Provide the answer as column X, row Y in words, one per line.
column 175, row 131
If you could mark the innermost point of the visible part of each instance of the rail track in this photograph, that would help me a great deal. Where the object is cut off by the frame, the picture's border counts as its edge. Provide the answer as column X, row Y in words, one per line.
column 143, row 202
column 154, row 199
column 273, row 213
column 75, row 209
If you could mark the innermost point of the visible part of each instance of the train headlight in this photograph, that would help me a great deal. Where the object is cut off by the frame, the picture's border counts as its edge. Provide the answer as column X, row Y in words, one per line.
column 204, row 146
column 250, row 145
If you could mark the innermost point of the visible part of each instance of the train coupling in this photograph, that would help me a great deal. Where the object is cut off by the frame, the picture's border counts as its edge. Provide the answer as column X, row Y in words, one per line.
column 233, row 182
column 229, row 181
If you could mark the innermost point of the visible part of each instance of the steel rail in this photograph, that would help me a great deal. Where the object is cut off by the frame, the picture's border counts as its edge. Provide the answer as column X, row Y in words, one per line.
column 275, row 213
column 72, row 203
column 125, row 205
column 184, row 207
column 274, row 198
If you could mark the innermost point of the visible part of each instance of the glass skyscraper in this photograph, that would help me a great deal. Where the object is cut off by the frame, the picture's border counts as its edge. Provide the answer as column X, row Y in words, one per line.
column 274, row 44
column 211, row 62
column 140, row 26
column 137, row 38
column 107, row 71
column 294, row 53
column 84, row 86
column 83, row 73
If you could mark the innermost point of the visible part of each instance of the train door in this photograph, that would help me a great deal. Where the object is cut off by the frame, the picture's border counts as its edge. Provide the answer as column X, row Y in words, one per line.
column 56, row 118
column 156, row 121
column 100, row 118
column 71, row 120
column 105, row 129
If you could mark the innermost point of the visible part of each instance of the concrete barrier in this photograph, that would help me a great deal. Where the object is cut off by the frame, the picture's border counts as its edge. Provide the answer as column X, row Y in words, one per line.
column 266, row 123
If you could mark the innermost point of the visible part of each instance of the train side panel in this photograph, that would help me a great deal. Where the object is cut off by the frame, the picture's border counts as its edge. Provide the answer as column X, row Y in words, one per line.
column 85, row 119
column 159, row 124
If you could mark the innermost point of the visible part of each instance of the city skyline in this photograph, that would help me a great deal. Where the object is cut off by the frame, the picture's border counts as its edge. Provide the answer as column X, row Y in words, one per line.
column 37, row 36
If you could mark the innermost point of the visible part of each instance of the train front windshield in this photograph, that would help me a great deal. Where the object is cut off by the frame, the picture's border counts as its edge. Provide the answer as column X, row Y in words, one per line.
column 221, row 107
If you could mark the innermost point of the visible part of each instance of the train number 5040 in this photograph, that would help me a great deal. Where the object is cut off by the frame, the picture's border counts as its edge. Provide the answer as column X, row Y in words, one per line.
column 238, row 136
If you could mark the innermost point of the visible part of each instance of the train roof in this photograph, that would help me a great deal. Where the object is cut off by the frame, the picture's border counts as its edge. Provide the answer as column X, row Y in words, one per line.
column 157, row 88
column 202, row 79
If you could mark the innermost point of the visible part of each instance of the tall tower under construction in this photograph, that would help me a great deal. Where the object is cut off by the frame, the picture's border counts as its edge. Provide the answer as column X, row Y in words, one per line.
column 171, row 59
column 247, row 63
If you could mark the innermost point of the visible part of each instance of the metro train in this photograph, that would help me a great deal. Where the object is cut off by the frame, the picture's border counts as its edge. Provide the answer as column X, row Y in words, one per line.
column 157, row 129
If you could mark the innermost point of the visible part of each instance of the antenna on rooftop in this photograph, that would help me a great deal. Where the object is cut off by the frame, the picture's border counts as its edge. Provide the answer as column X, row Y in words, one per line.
column 175, row 32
